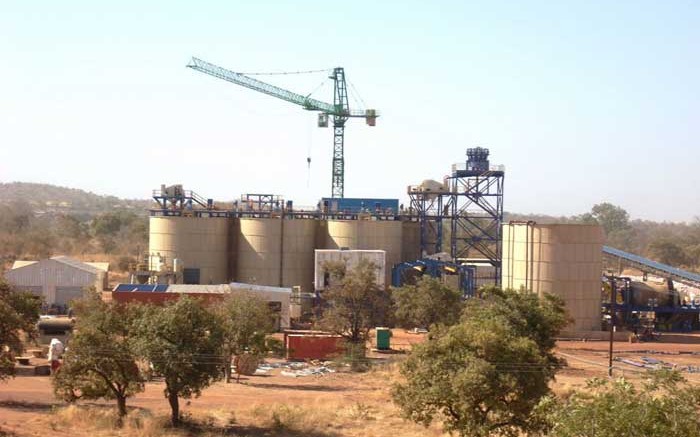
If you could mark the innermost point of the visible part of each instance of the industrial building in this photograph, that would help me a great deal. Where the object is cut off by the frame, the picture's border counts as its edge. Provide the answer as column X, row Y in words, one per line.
column 350, row 258
column 451, row 229
column 258, row 248
column 59, row 279
column 279, row 299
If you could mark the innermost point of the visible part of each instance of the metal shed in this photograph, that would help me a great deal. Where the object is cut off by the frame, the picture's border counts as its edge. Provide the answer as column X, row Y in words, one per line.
column 59, row 279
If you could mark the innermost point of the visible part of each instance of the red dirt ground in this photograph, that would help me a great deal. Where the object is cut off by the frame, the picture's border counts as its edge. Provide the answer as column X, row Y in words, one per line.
column 27, row 402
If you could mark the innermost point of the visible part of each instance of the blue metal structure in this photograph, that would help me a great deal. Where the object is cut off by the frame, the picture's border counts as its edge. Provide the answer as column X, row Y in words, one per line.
column 436, row 269
column 472, row 205
column 351, row 205
column 428, row 207
column 678, row 316
column 656, row 268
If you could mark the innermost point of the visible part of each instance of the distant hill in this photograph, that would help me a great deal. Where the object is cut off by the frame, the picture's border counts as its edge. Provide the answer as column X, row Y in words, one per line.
column 45, row 198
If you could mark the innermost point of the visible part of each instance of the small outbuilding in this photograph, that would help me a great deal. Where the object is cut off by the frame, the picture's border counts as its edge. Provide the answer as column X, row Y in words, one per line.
column 59, row 279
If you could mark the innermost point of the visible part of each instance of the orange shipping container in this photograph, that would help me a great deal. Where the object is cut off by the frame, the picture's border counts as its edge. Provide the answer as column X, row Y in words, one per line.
column 313, row 347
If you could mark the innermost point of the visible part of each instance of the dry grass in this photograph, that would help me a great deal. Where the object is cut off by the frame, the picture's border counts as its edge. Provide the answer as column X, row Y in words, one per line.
column 103, row 421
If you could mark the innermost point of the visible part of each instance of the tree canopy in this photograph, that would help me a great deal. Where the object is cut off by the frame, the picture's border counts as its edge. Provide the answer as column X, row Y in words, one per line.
column 426, row 303
column 19, row 312
column 246, row 319
column 183, row 343
column 101, row 361
column 485, row 375
column 664, row 405
column 355, row 303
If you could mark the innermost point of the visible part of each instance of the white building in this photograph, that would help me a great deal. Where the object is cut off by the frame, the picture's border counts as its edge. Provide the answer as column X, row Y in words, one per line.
column 59, row 279
column 351, row 258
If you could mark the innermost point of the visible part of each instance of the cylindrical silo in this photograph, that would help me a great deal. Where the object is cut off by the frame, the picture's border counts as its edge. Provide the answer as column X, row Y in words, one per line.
column 201, row 245
column 298, row 244
column 259, row 251
column 410, row 236
column 560, row 259
column 368, row 235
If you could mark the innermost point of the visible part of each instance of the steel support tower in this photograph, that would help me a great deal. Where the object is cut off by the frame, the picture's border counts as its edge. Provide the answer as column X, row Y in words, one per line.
column 476, row 210
column 430, row 211
column 471, row 205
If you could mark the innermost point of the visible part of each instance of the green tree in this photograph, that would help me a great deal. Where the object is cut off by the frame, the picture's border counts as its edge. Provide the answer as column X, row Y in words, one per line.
column 485, row 375
column 426, row 303
column 183, row 343
column 19, row 312
column 101, row 361
column 246, row 320
column 665, row 405
column 668, row 251
column 611, row 217
column 355, row 302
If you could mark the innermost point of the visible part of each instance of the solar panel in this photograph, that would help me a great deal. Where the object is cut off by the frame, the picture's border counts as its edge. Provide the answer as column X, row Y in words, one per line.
column 141, row 287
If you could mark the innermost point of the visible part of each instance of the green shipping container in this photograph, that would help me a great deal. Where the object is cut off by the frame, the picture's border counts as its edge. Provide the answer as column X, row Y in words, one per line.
column 383, row 338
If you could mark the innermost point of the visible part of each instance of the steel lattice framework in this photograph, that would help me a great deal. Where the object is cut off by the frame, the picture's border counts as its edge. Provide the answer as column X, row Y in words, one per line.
column 470, row 203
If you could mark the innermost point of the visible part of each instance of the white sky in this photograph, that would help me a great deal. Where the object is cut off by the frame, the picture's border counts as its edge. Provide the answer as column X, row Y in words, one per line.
column 582, row 103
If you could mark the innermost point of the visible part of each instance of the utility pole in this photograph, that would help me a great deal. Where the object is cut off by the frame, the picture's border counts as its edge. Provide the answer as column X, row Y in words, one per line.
column 613, row 299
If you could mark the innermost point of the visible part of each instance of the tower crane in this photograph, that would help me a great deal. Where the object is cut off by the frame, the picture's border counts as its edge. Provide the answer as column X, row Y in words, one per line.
column 339, row 110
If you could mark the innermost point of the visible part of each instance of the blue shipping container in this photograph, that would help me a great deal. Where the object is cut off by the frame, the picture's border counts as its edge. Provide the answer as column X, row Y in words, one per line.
column 357, row 205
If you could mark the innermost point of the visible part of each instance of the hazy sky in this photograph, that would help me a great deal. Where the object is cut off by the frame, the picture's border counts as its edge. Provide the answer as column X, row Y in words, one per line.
column 581, row 101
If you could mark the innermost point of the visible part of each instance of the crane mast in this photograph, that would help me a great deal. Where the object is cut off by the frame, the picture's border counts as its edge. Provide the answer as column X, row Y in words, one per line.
column 340, row 109
column 340, row 100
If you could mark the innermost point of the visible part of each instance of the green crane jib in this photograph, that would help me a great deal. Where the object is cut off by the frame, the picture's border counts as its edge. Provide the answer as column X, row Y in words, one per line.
column 340, row 110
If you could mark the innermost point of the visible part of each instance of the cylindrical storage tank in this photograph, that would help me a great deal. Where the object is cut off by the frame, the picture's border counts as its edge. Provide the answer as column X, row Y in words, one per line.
column 259, row 251
column 560, row 259
column 200, row 244
column 410, row 236
column 368, row 235
column 644, row 292
column 298, row 244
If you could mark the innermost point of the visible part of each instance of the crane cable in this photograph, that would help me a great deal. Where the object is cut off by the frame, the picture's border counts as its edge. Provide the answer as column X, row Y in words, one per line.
column 282, row 73
column 356, row 95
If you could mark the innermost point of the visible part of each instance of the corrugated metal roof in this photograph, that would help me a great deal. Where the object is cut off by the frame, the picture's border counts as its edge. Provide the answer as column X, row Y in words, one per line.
column 204, row 288
column 194, row 288
column 104, row 266
column 21, row 263
column 254, row 287
column 75, row 263
column 88, row 267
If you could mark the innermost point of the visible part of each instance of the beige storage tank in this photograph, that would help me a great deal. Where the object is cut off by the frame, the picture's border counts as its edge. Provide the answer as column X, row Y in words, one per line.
column 561, row 259
column 259, row 251
column 410, row 244
column 201, row 244
column 298, row 245
column 367, row 235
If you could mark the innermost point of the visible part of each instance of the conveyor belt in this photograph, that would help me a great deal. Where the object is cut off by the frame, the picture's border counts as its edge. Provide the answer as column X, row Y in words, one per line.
column 647, row 265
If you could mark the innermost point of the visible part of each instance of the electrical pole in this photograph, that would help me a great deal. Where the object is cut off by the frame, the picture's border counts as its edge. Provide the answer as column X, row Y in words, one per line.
column 613, row 299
